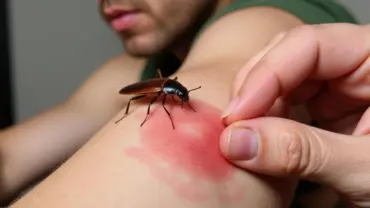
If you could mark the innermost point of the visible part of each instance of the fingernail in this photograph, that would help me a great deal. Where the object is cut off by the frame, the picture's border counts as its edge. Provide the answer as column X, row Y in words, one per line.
column 242, row 144
column 231, row 107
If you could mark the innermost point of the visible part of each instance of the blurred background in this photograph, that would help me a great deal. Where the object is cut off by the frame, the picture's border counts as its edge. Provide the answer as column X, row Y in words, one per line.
column 50, row 47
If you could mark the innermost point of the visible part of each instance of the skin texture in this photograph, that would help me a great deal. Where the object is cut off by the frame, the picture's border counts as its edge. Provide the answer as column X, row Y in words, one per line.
column 121, row 174
column 36, row 147
column 323, row 77
column 190, row 151
column 329, row 76
column 80, row 137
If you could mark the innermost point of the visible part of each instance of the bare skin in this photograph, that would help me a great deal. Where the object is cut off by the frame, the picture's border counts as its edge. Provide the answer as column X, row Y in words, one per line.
column 33, row 148
column 334, row 86
column 181, row 168
column 37, row 146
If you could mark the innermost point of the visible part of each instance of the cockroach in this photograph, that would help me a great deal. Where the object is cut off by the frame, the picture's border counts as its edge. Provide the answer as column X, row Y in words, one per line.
column 157, row 87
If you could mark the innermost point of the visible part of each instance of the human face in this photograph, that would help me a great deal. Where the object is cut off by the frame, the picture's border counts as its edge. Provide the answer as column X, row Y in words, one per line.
column 151, row 26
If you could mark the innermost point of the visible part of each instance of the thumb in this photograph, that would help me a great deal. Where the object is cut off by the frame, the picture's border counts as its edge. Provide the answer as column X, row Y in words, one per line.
column 281, row 147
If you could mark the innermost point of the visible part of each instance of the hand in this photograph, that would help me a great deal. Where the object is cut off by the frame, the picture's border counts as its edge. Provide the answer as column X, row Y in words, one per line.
column 328, row 73
column 322, row 67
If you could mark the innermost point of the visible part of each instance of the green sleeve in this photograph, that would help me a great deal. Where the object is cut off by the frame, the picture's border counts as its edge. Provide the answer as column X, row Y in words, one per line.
column 309, row 11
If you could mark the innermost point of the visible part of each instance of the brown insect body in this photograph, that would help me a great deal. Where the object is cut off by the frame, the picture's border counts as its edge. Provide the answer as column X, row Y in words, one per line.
column 157, row 87
column 144, row 87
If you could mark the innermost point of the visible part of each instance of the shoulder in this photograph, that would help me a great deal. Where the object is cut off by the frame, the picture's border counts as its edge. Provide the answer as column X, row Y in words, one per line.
column 309, row 11
column 244, row 26
column 236, row 36
column 123, row 62
column 121, row 69
column 105, row 82
column 122, row 66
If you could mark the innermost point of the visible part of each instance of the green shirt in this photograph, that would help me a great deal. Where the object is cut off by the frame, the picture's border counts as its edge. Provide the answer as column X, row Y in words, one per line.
column 310, row 11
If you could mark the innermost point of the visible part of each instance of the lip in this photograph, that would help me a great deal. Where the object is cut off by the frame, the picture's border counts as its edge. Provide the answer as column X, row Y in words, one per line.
column 120, row 18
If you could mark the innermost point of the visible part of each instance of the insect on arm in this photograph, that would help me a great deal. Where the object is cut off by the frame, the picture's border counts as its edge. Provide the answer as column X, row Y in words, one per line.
column 157, row 86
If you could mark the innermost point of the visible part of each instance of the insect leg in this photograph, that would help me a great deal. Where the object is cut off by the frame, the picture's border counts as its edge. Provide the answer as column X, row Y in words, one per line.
column 133, row 98
column 173, row 98
column 128, row 105
column 191, row 107
column 148, row 111
column 168, row 113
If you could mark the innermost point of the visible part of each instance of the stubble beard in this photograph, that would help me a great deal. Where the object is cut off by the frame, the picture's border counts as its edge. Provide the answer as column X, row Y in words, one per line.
column 165, row 39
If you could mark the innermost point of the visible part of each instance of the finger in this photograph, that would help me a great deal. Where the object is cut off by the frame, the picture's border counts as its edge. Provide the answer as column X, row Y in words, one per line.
column 243, row 72
column 280, row 108
column 284, row 148
column 363, row 126
column 330, row 106
column 345, row 125
column 309, row 52
column 305, row 91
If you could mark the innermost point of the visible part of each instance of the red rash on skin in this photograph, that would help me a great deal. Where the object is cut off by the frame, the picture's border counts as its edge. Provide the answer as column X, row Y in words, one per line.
column 187, row 158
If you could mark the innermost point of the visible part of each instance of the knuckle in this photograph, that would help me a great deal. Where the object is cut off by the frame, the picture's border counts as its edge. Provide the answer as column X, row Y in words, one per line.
column 298, row 156
column 291, row 148
column 306, row 32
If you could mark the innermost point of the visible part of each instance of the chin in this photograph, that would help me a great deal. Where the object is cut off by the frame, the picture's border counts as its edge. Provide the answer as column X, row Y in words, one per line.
column 143, row 46
column 140, row 52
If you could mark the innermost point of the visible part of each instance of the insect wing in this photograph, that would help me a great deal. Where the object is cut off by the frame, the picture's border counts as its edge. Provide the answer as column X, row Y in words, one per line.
column 144, row 87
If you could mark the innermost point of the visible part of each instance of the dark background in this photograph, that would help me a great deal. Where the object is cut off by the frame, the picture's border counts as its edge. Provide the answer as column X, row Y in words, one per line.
column 6, row 107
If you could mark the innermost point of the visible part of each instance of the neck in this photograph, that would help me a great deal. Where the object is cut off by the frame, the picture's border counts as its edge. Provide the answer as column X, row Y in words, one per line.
column 181, row 48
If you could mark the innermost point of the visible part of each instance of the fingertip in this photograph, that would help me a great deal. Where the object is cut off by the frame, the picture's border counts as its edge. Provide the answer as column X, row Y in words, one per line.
column 238, row 116
column 224, row 138
column 238, row 109
column 229, row 118
column 362, row 127
column 239, row 143
column 230, row 108
column 242, row 86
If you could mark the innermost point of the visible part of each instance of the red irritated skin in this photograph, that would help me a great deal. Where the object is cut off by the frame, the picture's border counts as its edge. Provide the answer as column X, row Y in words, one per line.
column 187, row 158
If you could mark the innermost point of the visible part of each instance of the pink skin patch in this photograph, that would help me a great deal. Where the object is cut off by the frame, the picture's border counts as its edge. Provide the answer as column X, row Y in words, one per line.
column 187, row 158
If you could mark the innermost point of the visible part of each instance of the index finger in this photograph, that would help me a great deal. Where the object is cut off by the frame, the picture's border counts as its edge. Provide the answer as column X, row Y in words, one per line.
column 320, row 52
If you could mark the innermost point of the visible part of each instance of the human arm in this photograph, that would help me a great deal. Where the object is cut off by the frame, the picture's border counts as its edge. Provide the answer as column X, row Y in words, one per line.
column 154, row 165
column 34, row 148
column 125, row 165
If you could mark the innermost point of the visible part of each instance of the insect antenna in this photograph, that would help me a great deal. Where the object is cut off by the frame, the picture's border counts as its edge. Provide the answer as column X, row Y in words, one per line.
column 194, row 89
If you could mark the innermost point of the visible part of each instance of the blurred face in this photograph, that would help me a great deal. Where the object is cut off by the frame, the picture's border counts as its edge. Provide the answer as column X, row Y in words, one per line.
column 151, row 26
